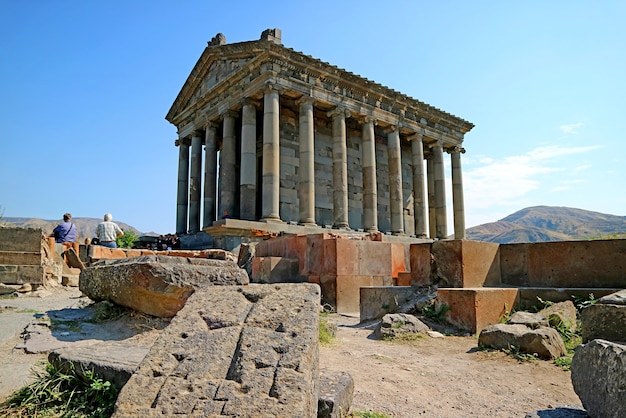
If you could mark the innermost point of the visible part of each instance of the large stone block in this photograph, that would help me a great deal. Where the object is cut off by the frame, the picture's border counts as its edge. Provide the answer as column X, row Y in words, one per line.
column 377, row 301
column 420, row 261
column 587, row 264
column 348, row 291
column 21, row 258
column 461, row 263
column 21, row 239
column 276, row 270
column 545, row 342
column 599, row 378
column 475, row 308
column 156, row 285
column 247, row 351
column 604, row 320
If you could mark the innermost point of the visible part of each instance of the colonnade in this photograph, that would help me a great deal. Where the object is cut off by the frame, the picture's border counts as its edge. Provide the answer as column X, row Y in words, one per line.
column 429, row 195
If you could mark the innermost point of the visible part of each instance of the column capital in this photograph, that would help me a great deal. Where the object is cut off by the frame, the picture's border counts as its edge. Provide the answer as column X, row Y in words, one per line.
column 229, row 114
column 249, row 101
column 367, row 119
column 339, row 111
column 306, row 100
column 415, row 137
column 457, row 149
column 212, row 124
column 391, row 128
column 182, row 141
column 437, row 143
column 272, row 87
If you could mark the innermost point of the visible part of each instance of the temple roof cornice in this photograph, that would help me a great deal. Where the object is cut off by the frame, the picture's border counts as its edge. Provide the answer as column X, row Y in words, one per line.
column 257, row 62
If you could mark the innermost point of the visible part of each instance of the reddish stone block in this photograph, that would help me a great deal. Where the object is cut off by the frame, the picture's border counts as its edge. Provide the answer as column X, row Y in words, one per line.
column 472, row 309
column 133, row 253
column 404, row 278
column 375, row 259
column 118, row 253
column 461, row 263
column 348, row 256
column 420, row 260
column 349, row 291
column 398, row 258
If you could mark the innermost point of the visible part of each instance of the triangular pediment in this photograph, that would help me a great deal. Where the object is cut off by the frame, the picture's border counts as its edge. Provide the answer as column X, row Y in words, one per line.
column 217, row 72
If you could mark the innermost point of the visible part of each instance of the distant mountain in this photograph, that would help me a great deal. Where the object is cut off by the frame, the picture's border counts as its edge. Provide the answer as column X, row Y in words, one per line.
column 550, row 223
column 85, row 227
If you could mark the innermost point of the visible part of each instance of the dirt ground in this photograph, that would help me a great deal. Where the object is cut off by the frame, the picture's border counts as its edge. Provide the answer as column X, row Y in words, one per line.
column 430, row 377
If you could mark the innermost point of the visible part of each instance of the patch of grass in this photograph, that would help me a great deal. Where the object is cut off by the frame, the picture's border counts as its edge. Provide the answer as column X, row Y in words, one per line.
column 403, row 338
column 326, row 333
column 59, row 394
column 519, row 355
column 107, row 311
column 582, row 302
column 564, row 362
column 368, row 414
column 434, row 313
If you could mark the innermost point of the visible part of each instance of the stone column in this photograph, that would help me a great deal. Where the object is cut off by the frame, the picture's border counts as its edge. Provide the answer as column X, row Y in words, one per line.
column 395, row 181
column 183, row 186
column 228, row 166
column 440, row 191
column 247, row 196
column 419, row 195
column 340, row 169
column 430, row 181
column 306, row 191
column 210, row 174
column 370, row 193
column 271, row 155
column 457, row 193
column 195, row 182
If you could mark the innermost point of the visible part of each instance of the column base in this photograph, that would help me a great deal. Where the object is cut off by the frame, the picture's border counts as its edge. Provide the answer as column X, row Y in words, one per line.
column 307, row 223
column 342, row 227
column 272, row 220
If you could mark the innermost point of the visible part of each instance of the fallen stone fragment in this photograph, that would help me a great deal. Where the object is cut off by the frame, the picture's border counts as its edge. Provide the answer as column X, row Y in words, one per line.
column 393, row 325
column 245, row 351
column 599, row 378
column 336, row 392
column 606, row 319
column 112, row 361
column 561, row 314
column 545, row 342
column 529, row 319
column 156, row 285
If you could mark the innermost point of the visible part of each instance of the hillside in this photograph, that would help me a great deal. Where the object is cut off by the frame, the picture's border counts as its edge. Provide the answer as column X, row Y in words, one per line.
column 85, row 227
column 550, row 223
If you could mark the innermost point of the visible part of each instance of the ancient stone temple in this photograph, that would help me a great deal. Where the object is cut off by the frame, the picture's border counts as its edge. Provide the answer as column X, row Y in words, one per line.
column 289, row 138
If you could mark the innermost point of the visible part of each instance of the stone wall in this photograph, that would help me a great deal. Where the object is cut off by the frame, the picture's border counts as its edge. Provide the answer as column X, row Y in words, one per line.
column 598, row 263
column 25, row 256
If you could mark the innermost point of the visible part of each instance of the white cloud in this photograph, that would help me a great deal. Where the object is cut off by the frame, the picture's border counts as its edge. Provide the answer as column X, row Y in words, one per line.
column 572, row 128
column 499, row 186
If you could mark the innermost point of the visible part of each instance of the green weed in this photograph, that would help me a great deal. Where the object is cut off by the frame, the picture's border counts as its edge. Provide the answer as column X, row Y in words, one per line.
column 59, row 394
column 326, row 334
column 436, row 314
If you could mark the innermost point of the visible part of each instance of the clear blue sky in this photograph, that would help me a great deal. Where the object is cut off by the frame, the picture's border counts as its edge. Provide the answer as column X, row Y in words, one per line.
column 85, row 86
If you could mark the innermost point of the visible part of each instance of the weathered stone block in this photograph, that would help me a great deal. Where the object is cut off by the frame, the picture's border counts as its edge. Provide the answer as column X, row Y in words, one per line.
column 475, row 308
column 461, row 263
column 599, row 378
column 348, row 291
column 276, row 270
column 156, row 285
column 545, row 342
column 233, row 350
column 21, row 239
column 335, row 394
column 420, row 260
column 376, row 301
column 603, row 321
column 586, row 264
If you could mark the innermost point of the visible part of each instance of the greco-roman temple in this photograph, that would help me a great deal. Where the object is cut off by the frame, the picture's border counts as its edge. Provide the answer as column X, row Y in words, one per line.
column 291, row 140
